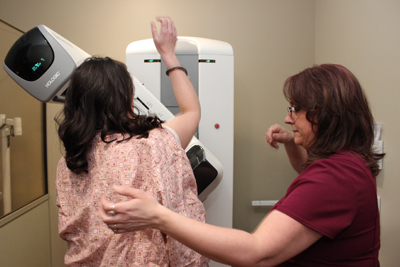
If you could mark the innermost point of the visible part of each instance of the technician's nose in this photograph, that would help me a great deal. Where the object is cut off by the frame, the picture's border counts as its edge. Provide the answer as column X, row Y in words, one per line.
column 289, row 119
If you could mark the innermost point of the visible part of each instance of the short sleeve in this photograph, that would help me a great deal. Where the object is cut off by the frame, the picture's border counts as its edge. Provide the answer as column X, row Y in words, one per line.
column 322, row 198
column 173, row 133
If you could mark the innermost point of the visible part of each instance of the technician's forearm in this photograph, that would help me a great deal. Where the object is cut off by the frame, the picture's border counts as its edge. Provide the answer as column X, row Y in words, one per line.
column 225, row 245
column 297, row 155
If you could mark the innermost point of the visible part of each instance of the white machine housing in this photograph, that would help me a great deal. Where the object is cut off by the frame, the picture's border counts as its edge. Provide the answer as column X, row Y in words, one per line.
column 210, row 65
column 206, row 167
column 41, row 62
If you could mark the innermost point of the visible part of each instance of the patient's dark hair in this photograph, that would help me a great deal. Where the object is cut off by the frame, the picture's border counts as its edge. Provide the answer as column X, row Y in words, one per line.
column 338, row 110
column 99, row 99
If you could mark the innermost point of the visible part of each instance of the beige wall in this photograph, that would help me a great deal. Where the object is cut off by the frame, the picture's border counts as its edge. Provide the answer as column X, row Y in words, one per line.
column 24, row 241
column 54, row 153
column 272, row 39
column 365, row 37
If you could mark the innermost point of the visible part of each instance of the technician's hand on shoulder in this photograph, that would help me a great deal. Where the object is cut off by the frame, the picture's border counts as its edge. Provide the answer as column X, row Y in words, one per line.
column 136, row 214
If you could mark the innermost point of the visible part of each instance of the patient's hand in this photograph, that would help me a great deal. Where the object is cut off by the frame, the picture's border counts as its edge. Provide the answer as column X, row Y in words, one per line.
column 165, row 41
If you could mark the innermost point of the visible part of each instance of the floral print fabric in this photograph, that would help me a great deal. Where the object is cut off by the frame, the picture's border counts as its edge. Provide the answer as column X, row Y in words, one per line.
column 157, row 165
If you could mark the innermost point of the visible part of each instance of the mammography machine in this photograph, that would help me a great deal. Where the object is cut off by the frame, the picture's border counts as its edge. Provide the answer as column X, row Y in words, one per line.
column 41, row 62
column 210, row 67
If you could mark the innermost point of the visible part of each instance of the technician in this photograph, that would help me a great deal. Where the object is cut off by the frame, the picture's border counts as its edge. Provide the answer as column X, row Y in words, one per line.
column 329, row 215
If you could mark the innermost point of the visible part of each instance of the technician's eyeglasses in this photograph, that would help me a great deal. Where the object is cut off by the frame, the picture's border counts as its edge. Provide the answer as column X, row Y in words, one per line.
column 291, row 109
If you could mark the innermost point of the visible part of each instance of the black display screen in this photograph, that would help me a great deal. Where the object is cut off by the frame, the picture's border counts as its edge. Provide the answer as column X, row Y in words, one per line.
column 30, row 56
column 203, row 171
column 205, row 174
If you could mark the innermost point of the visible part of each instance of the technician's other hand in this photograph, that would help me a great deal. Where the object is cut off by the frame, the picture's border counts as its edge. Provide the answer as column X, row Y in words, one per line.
column 165, row 41
column 278, row 134
column 135, row 214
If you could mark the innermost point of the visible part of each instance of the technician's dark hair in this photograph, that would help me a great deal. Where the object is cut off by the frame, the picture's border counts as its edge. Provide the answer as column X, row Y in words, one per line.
column 99, row 99
column 338, row 110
